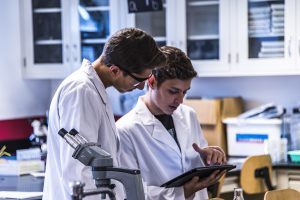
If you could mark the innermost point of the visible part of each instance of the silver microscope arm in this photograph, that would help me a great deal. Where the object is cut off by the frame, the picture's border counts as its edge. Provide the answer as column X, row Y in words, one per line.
column 78, row 193
column 91, row 154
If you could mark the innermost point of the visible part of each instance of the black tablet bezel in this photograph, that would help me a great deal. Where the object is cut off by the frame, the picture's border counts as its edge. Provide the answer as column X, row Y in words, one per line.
column 202, row 172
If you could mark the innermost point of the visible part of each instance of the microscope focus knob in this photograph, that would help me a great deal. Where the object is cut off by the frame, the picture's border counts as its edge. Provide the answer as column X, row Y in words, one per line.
column 77, row 190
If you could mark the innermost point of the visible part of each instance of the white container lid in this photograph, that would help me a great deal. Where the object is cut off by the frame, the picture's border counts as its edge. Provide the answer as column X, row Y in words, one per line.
column 253, row 121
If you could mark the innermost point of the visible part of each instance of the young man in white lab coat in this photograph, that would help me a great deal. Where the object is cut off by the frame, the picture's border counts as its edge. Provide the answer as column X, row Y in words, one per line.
column 162, row 137
column 81, row 102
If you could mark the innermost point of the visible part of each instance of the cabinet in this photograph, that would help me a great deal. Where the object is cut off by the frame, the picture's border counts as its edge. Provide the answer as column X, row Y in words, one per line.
column 288, row 179
column 297, row 38
column 230, row 37
column 153, row 23
column 198, row 27
column 57, row 34
column 266, row 42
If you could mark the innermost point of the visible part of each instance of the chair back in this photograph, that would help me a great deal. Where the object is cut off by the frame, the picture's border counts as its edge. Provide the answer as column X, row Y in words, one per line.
column 288, row 194
column 256, row 174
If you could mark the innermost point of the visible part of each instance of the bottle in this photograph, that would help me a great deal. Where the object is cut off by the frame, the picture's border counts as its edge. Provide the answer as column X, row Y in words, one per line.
column 283, row 150
column 286, row 128
column 295, row 129
column 238, row 194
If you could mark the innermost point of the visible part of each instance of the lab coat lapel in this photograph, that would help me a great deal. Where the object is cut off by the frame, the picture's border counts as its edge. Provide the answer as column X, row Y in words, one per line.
column 159, row 132
column 89, row 70
column 181, row 129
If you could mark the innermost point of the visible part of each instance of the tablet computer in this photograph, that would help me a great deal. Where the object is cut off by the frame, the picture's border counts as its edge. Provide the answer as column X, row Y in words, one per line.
column 202, row 172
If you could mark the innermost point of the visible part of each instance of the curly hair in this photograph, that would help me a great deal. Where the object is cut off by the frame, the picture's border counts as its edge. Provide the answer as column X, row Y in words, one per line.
column 179, row 66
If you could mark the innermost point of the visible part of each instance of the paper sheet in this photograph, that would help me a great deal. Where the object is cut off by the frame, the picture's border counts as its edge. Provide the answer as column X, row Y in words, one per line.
column 20, row 195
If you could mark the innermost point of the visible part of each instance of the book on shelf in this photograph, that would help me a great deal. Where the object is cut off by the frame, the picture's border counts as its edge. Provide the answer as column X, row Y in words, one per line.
column 277, row 6
column 277, row 25
column 20, row 167
column 272, row 44
column 270, row 55
column 265, row 35
column 277, row 13
column 278, row 19
column 264, row 28
column 256, row 10
column 272, row 50
column 259, row 32
column 250, row 1
column 279, row 31
column 259, row 22
column 258, row 16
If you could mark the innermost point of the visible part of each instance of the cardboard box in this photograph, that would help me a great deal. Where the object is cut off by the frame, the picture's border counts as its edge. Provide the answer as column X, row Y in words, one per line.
column 211, row 112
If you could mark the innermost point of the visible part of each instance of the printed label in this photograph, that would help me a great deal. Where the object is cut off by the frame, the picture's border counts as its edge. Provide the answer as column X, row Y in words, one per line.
column 251, row 137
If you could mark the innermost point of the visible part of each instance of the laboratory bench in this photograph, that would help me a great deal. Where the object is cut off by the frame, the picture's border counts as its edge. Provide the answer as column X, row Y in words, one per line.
column 23, row 183
column 285, row 175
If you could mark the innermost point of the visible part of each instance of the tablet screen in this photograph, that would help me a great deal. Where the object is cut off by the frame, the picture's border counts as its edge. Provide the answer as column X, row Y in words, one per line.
column 202, row 172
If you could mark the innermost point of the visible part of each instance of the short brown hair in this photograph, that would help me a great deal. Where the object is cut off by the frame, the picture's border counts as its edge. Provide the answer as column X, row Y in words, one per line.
column 179, row 66
column 133, row 50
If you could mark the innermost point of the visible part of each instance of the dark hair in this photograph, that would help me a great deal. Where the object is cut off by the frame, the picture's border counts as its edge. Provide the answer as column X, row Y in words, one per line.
column 133, row 50
column 179, row 66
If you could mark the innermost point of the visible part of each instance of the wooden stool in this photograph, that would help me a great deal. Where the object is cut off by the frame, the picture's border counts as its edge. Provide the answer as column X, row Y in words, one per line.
column 289, row 194
column 256, row 174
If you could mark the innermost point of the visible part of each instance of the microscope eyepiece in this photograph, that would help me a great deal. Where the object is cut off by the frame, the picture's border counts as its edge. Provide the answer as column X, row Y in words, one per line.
column 73, row 132
column 69, row 138
column 62, row 132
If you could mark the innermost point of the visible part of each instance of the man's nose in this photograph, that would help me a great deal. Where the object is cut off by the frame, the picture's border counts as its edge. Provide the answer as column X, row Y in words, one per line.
column 179, row 98
column 141, row 86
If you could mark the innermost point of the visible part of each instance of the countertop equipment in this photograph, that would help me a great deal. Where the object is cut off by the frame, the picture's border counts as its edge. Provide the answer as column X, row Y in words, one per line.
column 91, row 154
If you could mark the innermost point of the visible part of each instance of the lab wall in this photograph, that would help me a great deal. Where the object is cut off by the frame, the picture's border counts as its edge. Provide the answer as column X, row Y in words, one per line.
column 20, row 98
column 255, row 91
column 281, row 90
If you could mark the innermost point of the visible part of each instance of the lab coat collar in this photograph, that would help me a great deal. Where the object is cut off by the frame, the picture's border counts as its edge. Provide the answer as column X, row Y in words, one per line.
column 147, row 117
column 144, row 113
column 159, row 132
column 88, row 68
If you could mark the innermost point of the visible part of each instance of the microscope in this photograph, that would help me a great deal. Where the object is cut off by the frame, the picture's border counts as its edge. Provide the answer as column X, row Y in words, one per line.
column 91, row 154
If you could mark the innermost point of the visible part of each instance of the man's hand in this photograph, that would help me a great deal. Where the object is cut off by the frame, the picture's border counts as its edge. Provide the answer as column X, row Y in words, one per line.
column 196, row 184
column 211, row 154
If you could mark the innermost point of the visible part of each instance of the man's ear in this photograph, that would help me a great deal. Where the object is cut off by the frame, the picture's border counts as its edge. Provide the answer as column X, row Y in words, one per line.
column 115, row 71
column 152, row 82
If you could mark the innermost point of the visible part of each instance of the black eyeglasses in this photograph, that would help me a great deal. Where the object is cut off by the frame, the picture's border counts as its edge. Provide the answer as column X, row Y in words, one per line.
column 138, row 79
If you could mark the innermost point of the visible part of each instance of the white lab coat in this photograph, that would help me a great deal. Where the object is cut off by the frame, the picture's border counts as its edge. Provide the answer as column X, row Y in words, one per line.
column 148, row 146
column 80, row 102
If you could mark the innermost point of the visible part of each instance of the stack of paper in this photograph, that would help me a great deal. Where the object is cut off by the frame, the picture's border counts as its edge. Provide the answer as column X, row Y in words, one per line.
column 20, row 195
column 266, row 21
column 259, row 20
column 277, row 14
column 20, row 167
column 271, row 49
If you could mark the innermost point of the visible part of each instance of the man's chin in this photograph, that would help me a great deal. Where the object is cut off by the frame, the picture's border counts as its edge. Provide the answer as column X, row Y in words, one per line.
column 171, row 110
column 124, row 91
